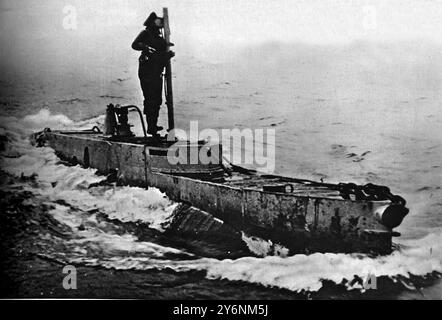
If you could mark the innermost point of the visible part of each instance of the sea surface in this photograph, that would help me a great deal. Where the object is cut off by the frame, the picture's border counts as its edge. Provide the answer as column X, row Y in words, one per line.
column 362, row 111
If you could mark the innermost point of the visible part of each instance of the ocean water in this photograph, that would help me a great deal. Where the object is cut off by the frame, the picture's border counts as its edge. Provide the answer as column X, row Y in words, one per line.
column 362, row 111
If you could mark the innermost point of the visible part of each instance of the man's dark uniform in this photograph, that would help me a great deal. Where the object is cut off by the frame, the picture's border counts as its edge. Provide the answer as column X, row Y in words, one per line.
column 152, row 61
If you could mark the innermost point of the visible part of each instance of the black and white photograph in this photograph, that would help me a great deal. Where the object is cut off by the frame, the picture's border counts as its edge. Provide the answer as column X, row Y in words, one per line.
column 238, row 150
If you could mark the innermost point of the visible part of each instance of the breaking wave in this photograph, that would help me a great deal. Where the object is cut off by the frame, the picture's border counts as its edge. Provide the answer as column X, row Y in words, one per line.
column 78, row 204
column 300, row 272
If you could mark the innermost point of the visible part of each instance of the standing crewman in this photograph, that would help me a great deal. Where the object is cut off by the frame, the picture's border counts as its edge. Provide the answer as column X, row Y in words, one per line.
column 153, row 59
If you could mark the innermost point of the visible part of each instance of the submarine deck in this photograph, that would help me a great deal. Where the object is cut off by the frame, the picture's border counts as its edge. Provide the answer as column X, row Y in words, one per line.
column 234, row 176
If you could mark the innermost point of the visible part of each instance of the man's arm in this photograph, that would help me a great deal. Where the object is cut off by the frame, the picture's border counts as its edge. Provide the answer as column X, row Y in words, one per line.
column 145, row 40
column 139, row 43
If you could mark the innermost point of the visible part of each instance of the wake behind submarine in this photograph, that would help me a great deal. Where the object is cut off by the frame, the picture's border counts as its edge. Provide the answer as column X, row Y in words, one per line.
column 301, row 215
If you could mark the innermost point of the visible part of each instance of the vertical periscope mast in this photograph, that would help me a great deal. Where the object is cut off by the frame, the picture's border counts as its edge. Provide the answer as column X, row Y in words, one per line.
column 168, row 74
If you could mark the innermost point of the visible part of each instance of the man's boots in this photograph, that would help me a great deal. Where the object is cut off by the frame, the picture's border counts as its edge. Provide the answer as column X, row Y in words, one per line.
column 152, row 127
column 152, row 119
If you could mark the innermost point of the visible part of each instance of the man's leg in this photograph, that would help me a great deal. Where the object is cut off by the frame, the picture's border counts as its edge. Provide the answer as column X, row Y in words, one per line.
column 152, row 112
column 152, row 86
column 153, row 104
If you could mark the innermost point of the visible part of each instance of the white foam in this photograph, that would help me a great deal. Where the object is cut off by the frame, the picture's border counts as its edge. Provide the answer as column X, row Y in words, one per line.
column 263, row 248
column 302, row 272
column 70, row 184
column 306, row 272
column 94, row 236
column 49, row 120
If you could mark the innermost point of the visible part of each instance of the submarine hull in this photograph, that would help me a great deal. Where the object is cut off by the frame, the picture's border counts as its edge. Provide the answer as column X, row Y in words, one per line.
column 306, row 219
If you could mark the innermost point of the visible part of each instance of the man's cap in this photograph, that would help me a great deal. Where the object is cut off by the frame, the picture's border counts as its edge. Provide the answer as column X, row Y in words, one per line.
column 150, row 21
